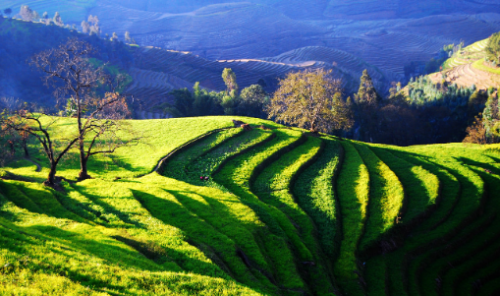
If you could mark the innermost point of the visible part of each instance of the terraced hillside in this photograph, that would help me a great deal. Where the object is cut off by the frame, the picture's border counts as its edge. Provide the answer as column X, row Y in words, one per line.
column 468, row 67
column 156, row 71
column 388, row 34
column 257, row 31
column 270, row 211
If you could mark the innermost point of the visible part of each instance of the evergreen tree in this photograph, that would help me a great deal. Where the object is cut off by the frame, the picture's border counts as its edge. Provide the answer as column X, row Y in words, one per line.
column 129, row 39
column 94, row 25
column 230, row 80
column 366, row 92
column 85, row 27
column 493, row 49
column 252, row 101
column 7, row 11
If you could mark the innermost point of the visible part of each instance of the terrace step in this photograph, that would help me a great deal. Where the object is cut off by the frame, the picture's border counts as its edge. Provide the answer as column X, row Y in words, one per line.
column 238, row 174
column 421, row 187
column 468, row 203
column 386, row 198
column 399, row 261
column 315, row 192
column 353, row 185
column 272, row 186
column 463, row 270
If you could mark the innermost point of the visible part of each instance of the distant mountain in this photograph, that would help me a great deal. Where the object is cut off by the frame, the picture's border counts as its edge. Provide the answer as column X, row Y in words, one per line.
column 156, row 72
column 388, row 34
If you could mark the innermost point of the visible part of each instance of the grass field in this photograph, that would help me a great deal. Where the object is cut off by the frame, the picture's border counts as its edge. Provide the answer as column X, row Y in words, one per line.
column 281, row 212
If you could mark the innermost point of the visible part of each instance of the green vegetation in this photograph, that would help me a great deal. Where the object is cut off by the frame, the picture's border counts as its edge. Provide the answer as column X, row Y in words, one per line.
column 420, row 186
column 493, row 49
column 283, row 212
column 272, row 186
column 386, row 197
column 200, row 102
column 315, row 193
column 353, row 185
column 465, row 55
column 424, row 92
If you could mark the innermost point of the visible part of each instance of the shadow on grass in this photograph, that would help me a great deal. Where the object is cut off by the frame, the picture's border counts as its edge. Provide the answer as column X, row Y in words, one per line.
column 40, row 240
column 147, row 255
column 107, row 207
column 199, row 232
column 488, row 168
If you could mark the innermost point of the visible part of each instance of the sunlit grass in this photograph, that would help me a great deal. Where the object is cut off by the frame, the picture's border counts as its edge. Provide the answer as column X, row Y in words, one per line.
column 279, row 214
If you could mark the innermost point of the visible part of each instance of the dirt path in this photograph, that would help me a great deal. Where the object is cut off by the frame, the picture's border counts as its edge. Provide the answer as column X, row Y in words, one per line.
column 38, row 166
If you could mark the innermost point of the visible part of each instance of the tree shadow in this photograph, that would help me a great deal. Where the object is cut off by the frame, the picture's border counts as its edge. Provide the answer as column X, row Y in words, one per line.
column 488, row 168
column 108, row 208
column 144, row 255
column 38, row 240
column 415, row 196
column 220, row 217
column 198, row 231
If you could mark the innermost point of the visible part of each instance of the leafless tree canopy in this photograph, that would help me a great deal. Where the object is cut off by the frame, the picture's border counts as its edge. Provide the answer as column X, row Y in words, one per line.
column 40, row 126
column 68, row 70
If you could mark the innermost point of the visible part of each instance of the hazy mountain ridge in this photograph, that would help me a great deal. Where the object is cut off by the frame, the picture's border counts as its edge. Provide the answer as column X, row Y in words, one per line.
column 388, row 34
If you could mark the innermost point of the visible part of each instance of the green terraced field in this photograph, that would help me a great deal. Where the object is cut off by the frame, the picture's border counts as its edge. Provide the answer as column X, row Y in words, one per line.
column 281, row 212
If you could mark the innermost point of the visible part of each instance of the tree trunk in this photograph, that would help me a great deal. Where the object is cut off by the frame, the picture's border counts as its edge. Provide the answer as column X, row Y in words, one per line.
column 25, row 147
column 83, row 175
column 313, row 128
column 51, row 180
column 12, row 148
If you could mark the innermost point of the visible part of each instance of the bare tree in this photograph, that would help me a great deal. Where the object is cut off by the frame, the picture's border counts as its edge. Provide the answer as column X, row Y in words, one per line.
column 85, row 27
column 40, row 126
column 94, row 25
column 68, row 70
column 27, row 14
column 58, row 20
column 11, row 139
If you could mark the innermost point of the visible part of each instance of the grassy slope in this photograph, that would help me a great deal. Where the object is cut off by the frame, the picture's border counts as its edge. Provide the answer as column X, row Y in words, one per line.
column 467, row 55
column 246, row 231
column 147, row 142
column 314, row 191
column 473, row 54
column 273, row 185
column 353, row 185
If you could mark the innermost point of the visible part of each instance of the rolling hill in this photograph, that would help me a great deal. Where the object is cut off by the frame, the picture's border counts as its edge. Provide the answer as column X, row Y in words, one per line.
column 280, row 212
